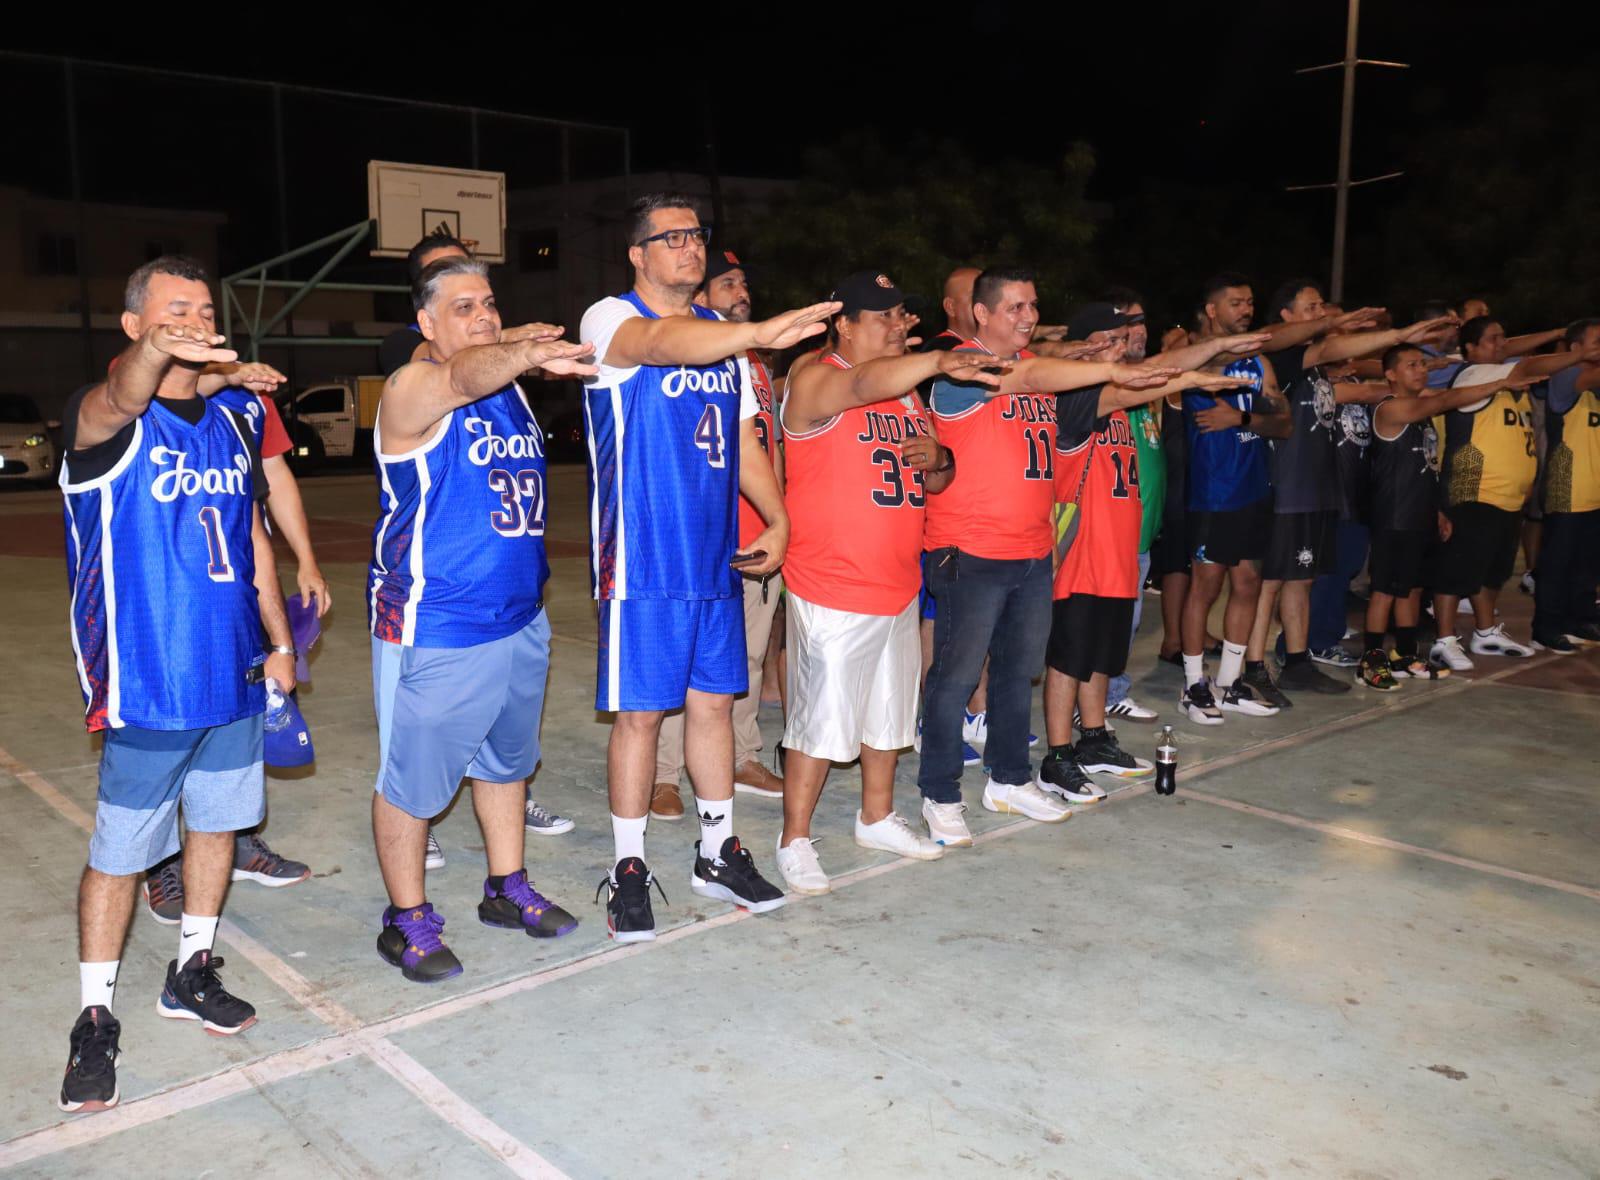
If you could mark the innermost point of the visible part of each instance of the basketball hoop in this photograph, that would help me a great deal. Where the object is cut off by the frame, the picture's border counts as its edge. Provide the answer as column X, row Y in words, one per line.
column 411, row 201
column 472, row 246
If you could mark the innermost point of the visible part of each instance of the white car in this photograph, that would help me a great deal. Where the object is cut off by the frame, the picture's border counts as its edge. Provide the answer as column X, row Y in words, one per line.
column 26, row 449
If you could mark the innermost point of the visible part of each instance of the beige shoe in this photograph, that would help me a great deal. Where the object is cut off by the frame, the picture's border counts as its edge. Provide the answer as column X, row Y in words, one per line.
column 665, row 802
column 755, row 779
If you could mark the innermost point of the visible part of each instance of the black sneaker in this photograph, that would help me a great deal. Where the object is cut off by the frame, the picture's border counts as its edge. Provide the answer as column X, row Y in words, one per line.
column 1100, row 753
column 1198, row 704
column 517, row 905
column 163, row 891
column 628, row 914
column 1260, row 682
column 1585, row 633
column 254, row 861
column 195, row 993
column 1559, row 644
column 1307, row 677
column 412, row 941
column 733, row 877
column 1061, row 775
column 91, row 1080
column 1237, row 698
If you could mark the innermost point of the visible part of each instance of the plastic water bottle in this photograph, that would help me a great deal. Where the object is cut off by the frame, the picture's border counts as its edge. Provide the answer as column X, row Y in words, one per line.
column 1166, row 762
column 278, row 715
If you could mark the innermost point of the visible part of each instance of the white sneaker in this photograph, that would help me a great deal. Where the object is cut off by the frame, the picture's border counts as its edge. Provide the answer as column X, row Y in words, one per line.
column 1128, row 709
column 947, row 823
column 1447, row 652
column 893, row 834
column 435, row 856
column 975, row 729
column 800, row 869
column 1527, row 582
column 1024, row 799
column 1495, row 642
column 1464, row 606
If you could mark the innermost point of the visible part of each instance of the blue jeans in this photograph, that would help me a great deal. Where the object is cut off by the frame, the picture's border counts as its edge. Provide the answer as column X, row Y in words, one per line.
column 1328, row 615
column 1119, row 686
column 999, row 609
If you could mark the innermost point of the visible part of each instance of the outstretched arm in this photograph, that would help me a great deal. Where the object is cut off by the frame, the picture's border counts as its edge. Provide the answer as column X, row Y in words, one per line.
column 136, row 376
column 418, row 395
column 818, row 392
column 1332, row 349
column 689, row 340
column 1401, row 411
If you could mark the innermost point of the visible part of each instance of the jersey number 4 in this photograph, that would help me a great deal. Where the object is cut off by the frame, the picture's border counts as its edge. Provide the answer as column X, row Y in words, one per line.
column 708, row 436
column 514, row 519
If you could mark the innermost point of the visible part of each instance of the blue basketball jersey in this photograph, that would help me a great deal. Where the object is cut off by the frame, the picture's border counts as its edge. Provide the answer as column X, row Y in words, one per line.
column 664, row 477
column 247, row 406
column 161, row 564
column 458, row 553
column 1227, row 468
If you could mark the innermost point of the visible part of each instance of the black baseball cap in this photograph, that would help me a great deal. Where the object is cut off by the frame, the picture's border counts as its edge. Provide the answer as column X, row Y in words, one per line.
column 1092, row 318
column 720, row 262
column 867, row 290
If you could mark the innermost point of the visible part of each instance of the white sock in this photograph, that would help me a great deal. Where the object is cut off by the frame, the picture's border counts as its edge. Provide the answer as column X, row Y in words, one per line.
column 1231, row 664
column 194, row 934
column 97, row 983
column 628, row 836
column 716, row 824
column 1194, row 669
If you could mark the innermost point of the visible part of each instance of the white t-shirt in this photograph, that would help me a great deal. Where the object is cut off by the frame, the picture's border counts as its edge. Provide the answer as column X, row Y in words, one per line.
column 600, row 324
column 1481, row 375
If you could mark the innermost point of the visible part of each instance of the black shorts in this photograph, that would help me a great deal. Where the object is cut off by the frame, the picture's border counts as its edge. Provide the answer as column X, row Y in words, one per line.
column 1399, row 557
column 1227, row 538
column 1090, row 634
column 1301, row 546
column 1481, row 551
column 1169, row 552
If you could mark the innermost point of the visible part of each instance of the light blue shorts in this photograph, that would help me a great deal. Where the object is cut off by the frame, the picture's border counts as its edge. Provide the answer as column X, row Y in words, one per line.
column 446, row 713
column 214, row 774
column 653, row 650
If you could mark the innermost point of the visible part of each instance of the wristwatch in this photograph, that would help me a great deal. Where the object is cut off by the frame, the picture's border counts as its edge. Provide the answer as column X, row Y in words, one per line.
column 1244, row 417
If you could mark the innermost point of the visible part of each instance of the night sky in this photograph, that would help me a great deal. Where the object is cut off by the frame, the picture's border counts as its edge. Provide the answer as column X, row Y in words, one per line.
column 1206, row 93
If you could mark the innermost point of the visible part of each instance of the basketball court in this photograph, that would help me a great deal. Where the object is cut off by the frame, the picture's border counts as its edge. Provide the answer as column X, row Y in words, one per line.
column 1362, row 940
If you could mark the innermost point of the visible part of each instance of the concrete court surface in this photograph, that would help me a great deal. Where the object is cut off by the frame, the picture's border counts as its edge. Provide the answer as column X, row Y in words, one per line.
column 1363, row 941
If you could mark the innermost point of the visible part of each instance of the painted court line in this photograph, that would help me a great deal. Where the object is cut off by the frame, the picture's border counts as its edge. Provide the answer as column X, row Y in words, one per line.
column 517, row 1156
column 372, row 1040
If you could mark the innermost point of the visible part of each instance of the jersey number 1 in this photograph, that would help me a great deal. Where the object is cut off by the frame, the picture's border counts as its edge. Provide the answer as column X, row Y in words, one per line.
column 220, row 569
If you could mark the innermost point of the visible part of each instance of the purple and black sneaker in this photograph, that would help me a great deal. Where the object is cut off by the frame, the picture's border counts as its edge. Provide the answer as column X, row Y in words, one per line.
column 517, row 905
column 411, row 942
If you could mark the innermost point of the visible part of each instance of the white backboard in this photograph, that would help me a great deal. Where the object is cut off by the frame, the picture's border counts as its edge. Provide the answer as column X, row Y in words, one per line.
column 410, row 201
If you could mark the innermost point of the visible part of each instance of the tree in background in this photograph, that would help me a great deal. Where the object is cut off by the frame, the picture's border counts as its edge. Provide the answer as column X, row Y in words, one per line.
column 920, row 209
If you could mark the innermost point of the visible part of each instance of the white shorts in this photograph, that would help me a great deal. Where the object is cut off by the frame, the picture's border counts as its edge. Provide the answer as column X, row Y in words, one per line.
column 853, row 680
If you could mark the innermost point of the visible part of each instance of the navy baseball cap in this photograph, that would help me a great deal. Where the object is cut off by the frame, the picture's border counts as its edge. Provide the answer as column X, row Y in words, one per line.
column 287, row 736
column 867, row 290
column 1092, row 318
column 720, row 262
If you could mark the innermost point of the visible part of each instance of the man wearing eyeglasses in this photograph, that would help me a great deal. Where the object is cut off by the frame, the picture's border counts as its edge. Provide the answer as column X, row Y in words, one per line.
column 672, row 445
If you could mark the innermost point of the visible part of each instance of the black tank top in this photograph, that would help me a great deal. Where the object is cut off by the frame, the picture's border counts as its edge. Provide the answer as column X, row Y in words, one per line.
column 1175, row 446
column 1352, row 436
column 1405, row 485
column 1304, row 478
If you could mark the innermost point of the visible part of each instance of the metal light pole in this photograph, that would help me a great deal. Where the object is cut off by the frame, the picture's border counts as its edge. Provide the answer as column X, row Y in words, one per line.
column 1347, row 113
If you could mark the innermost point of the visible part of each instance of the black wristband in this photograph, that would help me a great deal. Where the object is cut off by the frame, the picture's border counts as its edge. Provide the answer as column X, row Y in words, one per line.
column 1244, row 417
column 949, row 463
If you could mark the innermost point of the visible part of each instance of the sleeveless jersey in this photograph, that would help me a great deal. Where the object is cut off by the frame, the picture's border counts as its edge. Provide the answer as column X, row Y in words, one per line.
column 1304, row 475
column 855, row 509
column 1145, row 422
column 1104, row 558
column 1002, row 510
column 1352, row 434
column 1404, row 476
column 458, row 553
column 1227, row 468
column 1175, row 450
column 247, row 406
column 1489, row 454
column 751, row 525
column 166, row 625
column 663, row 476
column 1572, row 461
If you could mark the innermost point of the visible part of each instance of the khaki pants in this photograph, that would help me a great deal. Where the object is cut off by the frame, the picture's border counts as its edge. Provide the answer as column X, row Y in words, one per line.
column 746, row 734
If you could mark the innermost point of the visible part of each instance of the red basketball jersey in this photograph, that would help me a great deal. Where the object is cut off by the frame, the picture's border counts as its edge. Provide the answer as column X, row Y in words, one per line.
column 751, row 525
column 855, row 508
column 1104, row 559
column 999, row 504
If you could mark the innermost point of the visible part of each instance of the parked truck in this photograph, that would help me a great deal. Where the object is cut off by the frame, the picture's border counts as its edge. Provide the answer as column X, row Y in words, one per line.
column 334, row 419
